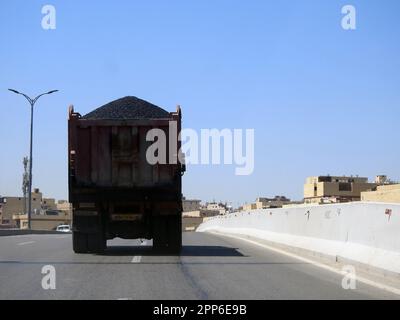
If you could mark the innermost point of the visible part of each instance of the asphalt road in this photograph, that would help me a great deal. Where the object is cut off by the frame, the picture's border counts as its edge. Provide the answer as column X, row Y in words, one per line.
column 210, row 267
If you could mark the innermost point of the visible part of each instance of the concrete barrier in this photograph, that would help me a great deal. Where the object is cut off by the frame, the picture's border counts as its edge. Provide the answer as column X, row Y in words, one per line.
column 363, row 232
column 18, row 232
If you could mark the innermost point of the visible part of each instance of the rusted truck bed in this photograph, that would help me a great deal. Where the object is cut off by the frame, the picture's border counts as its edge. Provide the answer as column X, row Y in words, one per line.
column 114, row 190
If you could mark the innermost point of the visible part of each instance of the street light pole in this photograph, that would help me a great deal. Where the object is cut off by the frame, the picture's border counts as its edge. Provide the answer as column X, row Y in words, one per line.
column 32, row 104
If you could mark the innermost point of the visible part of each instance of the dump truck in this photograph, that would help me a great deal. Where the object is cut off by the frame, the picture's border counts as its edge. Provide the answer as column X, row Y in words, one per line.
column 113, row 188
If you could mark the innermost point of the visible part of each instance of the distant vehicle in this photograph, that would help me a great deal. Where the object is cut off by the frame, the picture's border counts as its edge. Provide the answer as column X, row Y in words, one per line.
column 64, row 228
column 114, row 190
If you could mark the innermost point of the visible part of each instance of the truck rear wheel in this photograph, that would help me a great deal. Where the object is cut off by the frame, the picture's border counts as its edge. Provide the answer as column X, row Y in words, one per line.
column 79, row 242
column 174, row 234
column 167, row 234
column 160, row 234
column 96, row 242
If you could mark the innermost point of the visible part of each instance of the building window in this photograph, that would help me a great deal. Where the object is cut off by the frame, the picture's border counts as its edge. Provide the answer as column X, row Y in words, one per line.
column 344, row 186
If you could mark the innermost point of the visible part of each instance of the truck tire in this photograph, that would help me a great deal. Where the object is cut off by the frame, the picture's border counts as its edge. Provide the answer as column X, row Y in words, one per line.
column 160, row 234
column 174, row 234
column 96, row 242
column 79, row 242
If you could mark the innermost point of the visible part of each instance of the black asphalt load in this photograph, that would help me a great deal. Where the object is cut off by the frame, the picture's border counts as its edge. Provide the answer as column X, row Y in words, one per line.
column 127, row 108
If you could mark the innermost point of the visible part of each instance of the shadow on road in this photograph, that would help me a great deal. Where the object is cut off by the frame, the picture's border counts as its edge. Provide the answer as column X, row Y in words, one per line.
column 132, row 251
column 187, row 251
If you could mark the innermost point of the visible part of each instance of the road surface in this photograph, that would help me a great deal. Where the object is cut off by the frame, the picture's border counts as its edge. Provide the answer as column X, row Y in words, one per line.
column 210, row 267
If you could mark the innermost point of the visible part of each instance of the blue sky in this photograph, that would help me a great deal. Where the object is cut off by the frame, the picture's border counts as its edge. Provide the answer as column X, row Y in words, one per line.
column 321, row 99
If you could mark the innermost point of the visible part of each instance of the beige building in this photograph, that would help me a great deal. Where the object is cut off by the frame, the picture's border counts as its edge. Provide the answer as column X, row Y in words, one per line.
column 192, row 219
column 384, row 193
column 249, row 207
column 44, row 211
column 48, row 221
column 191, row 223
column 49, row 204
column 201, row 213
column 190, row 204
column 382, row 179
column 64, row 206
column 214, row 206
column 194, row 214
column 18, row 205
column 265, row 203
column 276, row 202
column 330, row 189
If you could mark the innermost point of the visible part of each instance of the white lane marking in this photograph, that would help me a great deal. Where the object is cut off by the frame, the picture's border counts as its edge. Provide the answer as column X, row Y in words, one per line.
column 24, row 243
column 320, row 265
column 136, row 259
column 124, row 299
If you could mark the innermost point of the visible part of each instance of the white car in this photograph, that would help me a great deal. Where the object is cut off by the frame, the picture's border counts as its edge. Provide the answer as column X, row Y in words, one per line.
column 64, row 228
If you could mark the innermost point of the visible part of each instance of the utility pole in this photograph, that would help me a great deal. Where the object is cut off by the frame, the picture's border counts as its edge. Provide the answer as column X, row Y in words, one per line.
column 32, row 104
column 25, row 181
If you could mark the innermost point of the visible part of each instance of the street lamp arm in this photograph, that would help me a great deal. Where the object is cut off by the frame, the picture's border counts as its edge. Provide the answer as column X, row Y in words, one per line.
column 37, row 98
column 30, row 100
column 22, row 94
